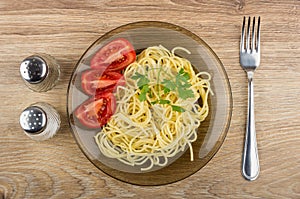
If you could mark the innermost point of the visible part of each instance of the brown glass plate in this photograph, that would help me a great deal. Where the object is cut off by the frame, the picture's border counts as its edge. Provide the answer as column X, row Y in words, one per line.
column 211, row 133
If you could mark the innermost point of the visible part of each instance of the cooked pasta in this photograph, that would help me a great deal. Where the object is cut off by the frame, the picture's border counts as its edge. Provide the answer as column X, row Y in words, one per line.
column 146, row 132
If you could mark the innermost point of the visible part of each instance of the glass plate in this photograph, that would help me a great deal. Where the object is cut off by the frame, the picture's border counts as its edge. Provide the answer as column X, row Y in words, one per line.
column 212, row 131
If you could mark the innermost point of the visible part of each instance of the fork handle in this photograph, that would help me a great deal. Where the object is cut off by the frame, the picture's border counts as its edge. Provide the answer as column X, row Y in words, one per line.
column 250, row 165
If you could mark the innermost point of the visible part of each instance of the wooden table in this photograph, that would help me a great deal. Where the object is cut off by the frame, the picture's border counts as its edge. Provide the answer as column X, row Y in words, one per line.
column 58, row 169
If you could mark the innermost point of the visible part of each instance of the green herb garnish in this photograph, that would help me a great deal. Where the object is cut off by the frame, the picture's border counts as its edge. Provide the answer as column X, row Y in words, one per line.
column 177, row 108
column 177, row 83
column 142, row 83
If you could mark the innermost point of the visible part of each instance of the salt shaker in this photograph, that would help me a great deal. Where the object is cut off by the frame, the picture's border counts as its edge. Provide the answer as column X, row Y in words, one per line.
column 40, row 72
column 40, row 121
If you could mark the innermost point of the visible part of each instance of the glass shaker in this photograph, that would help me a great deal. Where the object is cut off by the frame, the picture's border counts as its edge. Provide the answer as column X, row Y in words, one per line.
column 40, row 72
column 40, row 121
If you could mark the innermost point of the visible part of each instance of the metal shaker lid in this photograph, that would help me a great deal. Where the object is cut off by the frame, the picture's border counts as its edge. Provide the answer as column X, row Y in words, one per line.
column 34, row 69
column 33, row 120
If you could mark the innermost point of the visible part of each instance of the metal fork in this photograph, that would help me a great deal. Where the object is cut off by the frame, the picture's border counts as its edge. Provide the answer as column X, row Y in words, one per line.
column 249, row 60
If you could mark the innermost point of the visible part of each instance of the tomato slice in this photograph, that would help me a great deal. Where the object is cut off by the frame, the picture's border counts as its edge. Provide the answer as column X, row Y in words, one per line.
column 95, row 81
column 114, row 56
column 96, row 111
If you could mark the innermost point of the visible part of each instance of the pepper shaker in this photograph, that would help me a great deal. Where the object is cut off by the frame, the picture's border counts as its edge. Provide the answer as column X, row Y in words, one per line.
column 40, row 72
column 40, row 121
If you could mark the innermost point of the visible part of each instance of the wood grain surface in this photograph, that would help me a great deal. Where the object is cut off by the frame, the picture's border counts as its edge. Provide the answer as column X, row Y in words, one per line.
column 64, row 29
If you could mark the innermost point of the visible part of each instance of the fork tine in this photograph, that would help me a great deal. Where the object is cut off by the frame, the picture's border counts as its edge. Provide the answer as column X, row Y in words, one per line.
column 242, row 42
column 258, row 35
column 253, row 36
column 248, row 36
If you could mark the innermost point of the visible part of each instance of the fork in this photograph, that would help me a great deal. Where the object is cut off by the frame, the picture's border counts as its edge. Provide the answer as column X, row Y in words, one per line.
column 249, row 60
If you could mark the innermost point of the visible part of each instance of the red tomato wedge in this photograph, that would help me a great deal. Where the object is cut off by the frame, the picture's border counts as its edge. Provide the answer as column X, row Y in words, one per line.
column 96, row 111
column 114, row 56
column 95, row 81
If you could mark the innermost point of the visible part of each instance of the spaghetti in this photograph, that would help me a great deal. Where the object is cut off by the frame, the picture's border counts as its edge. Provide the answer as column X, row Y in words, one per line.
column 145, row 133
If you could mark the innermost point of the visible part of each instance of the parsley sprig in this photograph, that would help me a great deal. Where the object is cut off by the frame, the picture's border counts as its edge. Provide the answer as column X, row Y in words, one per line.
column 177, row 83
